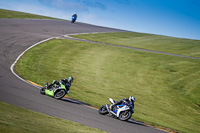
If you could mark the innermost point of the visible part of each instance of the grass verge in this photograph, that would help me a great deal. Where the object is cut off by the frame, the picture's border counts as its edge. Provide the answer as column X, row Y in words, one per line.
column 166, row 44
column 15, row 14
column 18, row 120
column 166, row 87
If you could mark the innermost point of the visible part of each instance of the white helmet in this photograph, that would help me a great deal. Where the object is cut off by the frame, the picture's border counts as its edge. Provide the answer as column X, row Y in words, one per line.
column 132, row 99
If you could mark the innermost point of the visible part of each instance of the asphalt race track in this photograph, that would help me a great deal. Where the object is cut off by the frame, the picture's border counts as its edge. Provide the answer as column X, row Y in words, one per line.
column 16, row 35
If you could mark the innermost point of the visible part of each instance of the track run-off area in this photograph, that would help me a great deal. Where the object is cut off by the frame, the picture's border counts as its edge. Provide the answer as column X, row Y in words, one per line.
column 19, row 35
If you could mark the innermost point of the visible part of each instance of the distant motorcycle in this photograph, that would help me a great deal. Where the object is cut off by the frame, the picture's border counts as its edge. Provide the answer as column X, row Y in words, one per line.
column 56, row 91
column 123, row 111
column 74, row 18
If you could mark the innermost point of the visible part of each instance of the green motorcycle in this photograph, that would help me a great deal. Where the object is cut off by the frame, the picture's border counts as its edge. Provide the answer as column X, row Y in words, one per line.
column 57, row 91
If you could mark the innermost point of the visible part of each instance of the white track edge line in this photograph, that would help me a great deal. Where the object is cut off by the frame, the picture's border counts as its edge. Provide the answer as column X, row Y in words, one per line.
column 12, row 66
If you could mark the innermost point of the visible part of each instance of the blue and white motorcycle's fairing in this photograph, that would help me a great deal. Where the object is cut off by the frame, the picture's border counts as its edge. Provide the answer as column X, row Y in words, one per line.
column 123, row 111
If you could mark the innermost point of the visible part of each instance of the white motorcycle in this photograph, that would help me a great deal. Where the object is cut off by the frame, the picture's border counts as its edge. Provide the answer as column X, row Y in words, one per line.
column 123, row 111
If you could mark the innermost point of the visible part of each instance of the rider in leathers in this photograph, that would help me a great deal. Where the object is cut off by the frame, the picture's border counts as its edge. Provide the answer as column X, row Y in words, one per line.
column 75, row 17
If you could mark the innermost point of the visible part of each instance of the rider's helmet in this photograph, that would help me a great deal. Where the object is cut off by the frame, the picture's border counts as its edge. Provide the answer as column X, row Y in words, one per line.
column 70, row 79
column 132, row 99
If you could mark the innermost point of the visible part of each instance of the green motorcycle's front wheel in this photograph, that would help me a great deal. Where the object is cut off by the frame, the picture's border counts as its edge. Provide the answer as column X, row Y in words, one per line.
column 42, row 90
column 60, row 94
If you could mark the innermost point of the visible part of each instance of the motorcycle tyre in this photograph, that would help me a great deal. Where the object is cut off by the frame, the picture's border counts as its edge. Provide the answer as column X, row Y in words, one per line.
column 73, row 21
column 126, row 118
column 42, row 91
column 103, row 112
column 56, row 96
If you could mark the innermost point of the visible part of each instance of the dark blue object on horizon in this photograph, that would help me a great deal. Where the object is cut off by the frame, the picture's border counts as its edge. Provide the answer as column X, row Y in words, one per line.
column 74, row 17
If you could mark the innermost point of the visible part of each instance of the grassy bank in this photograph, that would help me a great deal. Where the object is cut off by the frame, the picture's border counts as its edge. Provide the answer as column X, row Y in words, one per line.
column 15, row 14
column 18, row 120
column 166, row 44
column 166, row 87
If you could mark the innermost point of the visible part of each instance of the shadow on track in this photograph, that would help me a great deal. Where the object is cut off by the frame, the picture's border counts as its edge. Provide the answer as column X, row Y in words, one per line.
column 130, row 121
column 74, row 101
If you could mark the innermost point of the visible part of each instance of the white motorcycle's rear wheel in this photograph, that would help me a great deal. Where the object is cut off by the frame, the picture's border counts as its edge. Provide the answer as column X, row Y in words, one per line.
column 125, row 115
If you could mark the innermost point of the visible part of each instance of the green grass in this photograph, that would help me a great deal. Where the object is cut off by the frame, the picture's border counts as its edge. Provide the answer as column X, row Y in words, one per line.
column 18, row 120
column 166, row 87
column 166, row 44
column 15, row 14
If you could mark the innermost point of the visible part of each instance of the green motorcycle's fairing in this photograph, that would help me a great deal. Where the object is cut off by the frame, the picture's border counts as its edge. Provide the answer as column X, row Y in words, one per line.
column 51, row 92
